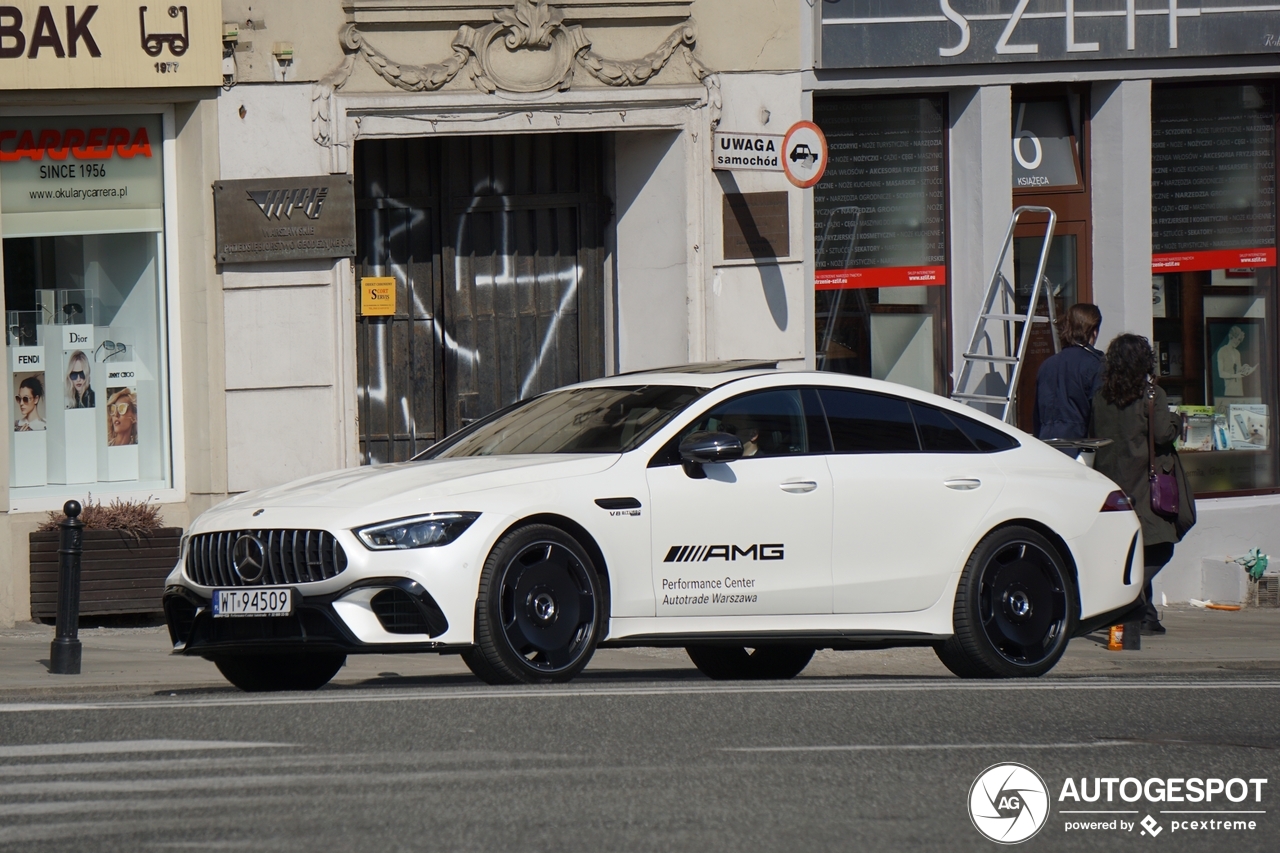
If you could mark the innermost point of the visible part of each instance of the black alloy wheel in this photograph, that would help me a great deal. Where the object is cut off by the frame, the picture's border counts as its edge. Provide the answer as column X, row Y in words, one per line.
column 1014, row 608
column 736, row 663
column 274, row 672
column 540, row 609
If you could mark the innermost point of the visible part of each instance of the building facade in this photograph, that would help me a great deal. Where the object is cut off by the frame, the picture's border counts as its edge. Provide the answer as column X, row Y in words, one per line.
column 108, row 143
column 525, row 186
column 1148, row 128
column 245, row 242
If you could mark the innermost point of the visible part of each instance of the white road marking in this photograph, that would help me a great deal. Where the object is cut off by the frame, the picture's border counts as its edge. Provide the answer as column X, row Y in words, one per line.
column 333, row 697
column 111, row 747
column 927, row 747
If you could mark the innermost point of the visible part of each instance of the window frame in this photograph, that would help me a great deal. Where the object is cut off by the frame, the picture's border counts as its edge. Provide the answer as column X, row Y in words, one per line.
column 1272, row 298
column 170, row 312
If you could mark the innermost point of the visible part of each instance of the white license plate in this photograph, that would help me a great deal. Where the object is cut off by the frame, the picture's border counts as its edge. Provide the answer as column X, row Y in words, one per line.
column 268, row 601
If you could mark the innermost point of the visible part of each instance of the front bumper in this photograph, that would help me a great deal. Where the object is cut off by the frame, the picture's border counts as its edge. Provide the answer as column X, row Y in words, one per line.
column 401, row 607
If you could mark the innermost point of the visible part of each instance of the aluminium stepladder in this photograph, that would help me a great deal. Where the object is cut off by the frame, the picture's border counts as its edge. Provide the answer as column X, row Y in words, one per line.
column 992, row 364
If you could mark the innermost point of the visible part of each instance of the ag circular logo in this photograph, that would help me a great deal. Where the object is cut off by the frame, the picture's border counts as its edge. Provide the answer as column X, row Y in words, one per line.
column 1008, row 803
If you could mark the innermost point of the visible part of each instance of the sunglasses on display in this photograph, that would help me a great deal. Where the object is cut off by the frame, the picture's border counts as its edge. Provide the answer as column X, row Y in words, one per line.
column 118, row 408
column 76, row 375
column 24, row 399
column 111, row 349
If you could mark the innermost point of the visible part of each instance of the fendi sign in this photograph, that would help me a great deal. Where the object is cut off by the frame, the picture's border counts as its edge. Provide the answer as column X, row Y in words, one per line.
column 110, row 44
column 285, row 219
column 879, row 34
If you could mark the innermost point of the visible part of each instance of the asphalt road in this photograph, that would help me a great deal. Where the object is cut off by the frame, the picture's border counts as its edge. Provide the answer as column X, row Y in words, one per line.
column 642, row 762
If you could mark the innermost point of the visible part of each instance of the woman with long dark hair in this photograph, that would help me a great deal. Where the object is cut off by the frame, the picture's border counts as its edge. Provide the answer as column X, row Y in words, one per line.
column 1120, row 414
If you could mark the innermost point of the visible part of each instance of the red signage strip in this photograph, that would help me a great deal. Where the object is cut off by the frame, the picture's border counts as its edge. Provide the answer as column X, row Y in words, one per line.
column 880, row 277
column 97, row 143
column 1217, row 259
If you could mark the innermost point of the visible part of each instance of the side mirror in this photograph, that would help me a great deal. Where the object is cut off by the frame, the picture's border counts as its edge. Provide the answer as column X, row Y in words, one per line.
column 703, row 447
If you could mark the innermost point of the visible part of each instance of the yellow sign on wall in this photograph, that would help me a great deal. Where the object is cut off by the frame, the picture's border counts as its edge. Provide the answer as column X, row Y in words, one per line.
column 110, row 44
column 377, row 297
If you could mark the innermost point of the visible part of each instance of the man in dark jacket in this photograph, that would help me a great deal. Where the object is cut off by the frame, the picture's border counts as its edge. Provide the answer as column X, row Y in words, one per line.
column 1068, row 381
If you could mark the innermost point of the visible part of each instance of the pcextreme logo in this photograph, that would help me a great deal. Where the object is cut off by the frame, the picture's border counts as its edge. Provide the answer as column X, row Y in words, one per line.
column 1008, row 803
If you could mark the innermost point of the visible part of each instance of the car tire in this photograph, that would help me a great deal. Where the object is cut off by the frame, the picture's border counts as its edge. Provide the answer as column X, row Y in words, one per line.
column 540, row 609
column 269, row 673
column 1014, row 608
column 735, row 663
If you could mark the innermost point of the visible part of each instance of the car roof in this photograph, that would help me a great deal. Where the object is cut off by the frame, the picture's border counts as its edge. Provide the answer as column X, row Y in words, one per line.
column 710, row 378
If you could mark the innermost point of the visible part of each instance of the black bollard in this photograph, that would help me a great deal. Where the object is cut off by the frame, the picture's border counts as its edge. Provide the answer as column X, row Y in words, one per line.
column 64, row 652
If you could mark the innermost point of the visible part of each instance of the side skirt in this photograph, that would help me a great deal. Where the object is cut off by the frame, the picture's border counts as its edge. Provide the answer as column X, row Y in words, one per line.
column 840, row 641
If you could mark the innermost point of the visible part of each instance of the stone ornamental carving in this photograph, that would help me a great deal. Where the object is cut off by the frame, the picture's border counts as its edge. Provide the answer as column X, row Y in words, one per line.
column 528, row 48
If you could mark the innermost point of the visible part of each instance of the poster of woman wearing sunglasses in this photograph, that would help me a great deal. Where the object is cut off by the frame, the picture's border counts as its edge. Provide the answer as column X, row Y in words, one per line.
column 30, row 400
column 79, row 394
column 122, row 417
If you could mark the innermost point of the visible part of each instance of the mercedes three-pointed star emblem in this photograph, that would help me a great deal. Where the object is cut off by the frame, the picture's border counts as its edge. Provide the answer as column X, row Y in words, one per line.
column 249, row 558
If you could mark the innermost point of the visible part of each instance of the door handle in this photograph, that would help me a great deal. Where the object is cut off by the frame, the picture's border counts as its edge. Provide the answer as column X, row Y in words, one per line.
column 962, row 485
column 798, row 487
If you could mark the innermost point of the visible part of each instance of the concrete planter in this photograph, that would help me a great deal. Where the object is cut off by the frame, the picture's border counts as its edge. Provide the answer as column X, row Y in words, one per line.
column 119, row 573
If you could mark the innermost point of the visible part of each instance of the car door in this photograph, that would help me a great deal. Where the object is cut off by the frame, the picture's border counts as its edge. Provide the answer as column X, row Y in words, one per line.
column 754, row 535
column 911, row 489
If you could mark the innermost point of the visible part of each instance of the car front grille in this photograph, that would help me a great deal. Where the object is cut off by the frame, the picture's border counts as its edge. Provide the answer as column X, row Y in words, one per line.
column 292, row 556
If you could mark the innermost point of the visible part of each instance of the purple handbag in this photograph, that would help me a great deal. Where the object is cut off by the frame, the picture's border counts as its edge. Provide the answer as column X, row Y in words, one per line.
column 1164, row 487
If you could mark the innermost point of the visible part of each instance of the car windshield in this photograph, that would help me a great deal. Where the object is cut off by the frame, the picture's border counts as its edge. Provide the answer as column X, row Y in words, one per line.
column 578, row 420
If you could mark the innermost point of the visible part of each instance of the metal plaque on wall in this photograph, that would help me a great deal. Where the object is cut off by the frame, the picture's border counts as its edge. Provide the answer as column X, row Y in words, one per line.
column 285, row 219
column 896, row 33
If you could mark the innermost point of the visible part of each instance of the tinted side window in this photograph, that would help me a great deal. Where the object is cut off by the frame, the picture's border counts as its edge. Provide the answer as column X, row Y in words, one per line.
column 769, row 423
column 869, row 423
column 987, row 439
column 938, row 434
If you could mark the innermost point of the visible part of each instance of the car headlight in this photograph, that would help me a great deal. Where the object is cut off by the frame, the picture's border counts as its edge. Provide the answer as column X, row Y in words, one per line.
column 422, row 531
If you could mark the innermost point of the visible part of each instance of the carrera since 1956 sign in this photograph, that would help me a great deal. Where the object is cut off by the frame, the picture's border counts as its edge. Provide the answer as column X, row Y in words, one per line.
column 285, row 219
column 895, row 33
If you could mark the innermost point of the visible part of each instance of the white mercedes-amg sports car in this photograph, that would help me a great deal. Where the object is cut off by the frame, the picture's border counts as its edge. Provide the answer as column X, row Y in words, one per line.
column 749, row 515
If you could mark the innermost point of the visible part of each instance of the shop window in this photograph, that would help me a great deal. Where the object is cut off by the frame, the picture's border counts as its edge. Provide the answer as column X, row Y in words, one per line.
column 82, row 213
column 880, row 240
column 1214, row 278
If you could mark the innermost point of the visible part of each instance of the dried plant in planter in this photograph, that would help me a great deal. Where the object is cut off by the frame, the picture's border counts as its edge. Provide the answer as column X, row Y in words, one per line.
column 131, row 516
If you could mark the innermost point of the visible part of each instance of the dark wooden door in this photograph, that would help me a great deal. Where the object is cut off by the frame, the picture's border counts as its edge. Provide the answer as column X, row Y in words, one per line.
column 399, row 398
column 1064, row 188
column 496, row 246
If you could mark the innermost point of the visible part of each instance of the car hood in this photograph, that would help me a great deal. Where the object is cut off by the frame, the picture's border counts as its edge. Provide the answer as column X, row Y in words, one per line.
column 411, row 486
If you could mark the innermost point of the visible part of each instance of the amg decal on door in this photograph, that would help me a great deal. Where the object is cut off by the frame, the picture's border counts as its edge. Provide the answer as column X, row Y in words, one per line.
column 729, row 553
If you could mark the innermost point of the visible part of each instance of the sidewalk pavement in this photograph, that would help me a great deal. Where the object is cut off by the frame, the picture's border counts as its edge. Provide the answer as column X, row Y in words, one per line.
column 1200, row 643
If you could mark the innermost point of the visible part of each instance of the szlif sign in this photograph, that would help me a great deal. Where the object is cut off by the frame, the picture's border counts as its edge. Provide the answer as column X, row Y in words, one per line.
column 285, row 219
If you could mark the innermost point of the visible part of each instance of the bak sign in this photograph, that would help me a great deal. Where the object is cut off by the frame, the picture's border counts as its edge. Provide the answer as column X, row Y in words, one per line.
column 110, row 44
column 751, row 152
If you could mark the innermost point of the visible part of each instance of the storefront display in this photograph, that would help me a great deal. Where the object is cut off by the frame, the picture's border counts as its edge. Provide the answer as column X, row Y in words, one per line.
column 880, row 239
column 81, row 204
column 1214, row 277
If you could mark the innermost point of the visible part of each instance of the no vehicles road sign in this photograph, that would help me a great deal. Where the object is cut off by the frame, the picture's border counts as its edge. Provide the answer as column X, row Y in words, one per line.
column 804, row 154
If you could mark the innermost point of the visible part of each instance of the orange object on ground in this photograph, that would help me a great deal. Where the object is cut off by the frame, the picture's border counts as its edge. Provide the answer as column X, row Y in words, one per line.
column 1115, row 640
column 1222, row 606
